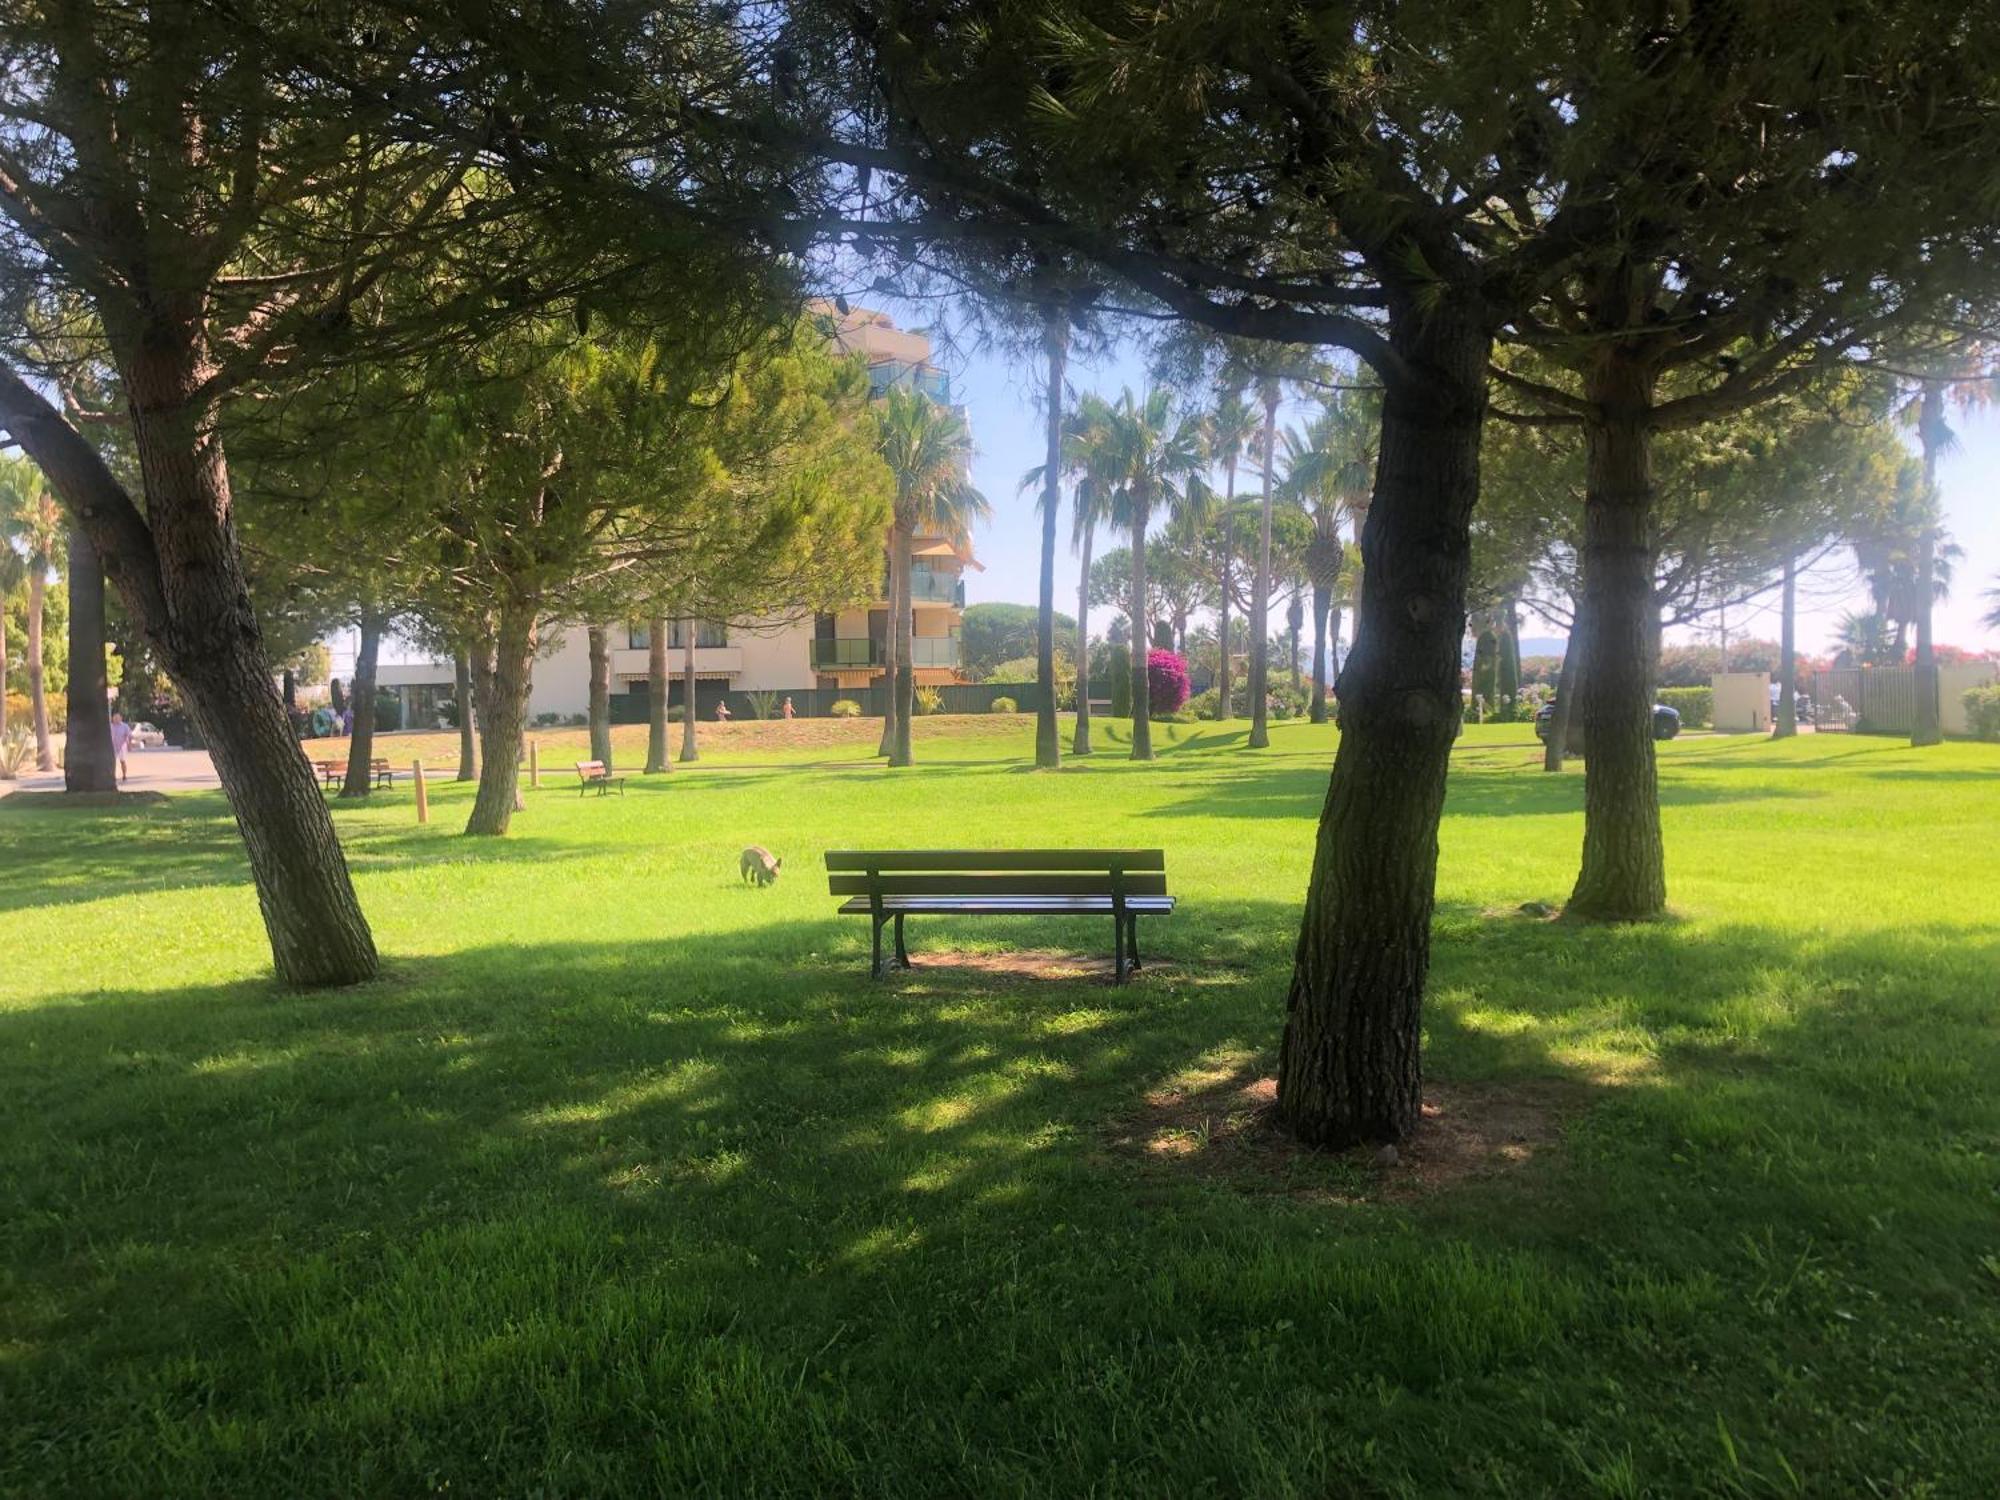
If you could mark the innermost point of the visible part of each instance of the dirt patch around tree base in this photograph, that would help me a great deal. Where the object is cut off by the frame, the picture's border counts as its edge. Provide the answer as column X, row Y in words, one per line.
column 1023, row 963
column 1226, row 1127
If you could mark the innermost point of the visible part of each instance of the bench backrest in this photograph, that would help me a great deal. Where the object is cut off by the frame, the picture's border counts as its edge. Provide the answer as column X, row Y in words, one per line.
column 996, row 872
column 590, row 768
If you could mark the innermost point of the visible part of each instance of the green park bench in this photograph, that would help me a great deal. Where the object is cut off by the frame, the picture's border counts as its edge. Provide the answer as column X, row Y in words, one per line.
column 887, row 885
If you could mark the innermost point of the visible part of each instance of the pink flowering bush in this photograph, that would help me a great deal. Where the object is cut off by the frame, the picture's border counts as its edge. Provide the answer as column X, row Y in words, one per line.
column 1166, row 681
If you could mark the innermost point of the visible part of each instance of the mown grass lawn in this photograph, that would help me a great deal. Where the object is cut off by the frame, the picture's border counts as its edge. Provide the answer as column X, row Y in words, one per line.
column 626, row 1179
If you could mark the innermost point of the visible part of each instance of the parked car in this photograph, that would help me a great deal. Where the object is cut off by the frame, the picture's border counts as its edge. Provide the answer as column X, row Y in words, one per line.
column 1666, row 721
column 147, row 737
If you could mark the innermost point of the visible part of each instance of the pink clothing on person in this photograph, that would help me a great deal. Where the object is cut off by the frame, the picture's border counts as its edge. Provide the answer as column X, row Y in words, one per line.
column 121, row 736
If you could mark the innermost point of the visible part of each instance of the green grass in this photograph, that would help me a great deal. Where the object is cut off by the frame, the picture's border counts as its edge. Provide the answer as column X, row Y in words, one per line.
column 625, row 1179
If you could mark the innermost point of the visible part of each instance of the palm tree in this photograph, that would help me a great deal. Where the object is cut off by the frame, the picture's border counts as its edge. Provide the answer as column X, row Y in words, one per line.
column 1055, row 346
column 1156, row 457
column 1269, row 391
column 926, row 447
column 1328, row 469
column 1864, row 641
column 1992, row 617
column 1085, row 461
column 31, row 531
column 1230, row 425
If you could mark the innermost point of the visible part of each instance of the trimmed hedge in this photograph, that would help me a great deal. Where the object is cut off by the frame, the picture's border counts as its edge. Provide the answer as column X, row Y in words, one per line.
column 1982, row 712
column 1695, row 705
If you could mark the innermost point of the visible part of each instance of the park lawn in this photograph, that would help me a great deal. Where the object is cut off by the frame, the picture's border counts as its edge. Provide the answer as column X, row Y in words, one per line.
column 625, row 1179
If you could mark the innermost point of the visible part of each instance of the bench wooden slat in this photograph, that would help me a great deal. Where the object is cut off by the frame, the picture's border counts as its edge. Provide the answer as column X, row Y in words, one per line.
column 980, row 883
column 995, row 859
column 1027, row 906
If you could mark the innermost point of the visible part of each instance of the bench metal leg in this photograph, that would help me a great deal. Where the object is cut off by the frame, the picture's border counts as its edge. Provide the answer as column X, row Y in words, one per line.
column 902, row 954
column 1132, row 940
column 1118, row 950
column 875, row 942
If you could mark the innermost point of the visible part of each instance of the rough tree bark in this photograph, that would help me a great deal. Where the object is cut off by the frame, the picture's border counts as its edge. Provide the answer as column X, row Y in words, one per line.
column 1787, row 722
column 904, row 629
column 1624, row 873
column 600, row 694
column 1349, row 1069
column 690, row 681
column 468, row 746
column 1260, row 598
column 1079, row 743
column 503, row 675
column 88, row 763
column 657, row 757
column 1048, row 735
column 1142, row 635
column 178, row 571
column 360, row 778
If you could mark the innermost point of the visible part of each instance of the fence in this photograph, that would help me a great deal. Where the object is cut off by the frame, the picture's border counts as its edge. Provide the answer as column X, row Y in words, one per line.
column 1867, row 700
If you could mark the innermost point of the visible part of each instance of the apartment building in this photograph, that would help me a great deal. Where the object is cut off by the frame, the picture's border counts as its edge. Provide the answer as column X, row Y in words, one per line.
column 843, row 652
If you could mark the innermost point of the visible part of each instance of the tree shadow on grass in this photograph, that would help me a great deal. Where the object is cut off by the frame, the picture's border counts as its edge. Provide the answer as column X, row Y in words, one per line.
column 611, row 1215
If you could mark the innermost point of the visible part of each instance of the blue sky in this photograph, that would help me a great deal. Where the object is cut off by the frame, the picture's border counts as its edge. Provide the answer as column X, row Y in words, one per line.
column 1001, row 401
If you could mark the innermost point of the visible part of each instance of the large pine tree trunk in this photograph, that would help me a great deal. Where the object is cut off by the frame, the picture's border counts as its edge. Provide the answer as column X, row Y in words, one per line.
column 88, row 763
column 468, row 751
column 600, row 694
column 1624, row 872
column 1349, row 1069
column 1322, row 607
column 503, row 676
column 901, row 753
column 657, row 757
column 1787, row 722
column 1260, row 598
column 1048, row 736
column 1080, row 741
column 690, row 682
column 360, row 779
column 45, row 749
column 1142, row 638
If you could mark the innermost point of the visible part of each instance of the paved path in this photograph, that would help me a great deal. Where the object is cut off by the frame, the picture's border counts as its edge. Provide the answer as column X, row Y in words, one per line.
column 147, row 771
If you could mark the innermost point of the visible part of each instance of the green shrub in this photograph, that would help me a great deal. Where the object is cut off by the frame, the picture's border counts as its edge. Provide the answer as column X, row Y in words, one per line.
column 1003, row 706
column 845, row 708
column 1695, row 705
column 388, row 711
column 1203, row 705
column 929, row 700
column 675, row 713
column 1982, row 712
column 763, row 703
column 1286, row 701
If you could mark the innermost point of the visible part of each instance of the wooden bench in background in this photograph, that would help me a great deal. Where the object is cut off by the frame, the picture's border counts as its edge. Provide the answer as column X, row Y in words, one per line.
column 887, row 885
column 334, row 772
column 594, row 774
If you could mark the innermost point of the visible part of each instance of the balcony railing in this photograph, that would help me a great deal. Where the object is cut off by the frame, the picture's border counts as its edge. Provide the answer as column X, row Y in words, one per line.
column 927, row 587
column 846, row 653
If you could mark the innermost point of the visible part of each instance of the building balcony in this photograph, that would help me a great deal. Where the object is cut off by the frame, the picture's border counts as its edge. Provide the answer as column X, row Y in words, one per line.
column 857, row 653
column 709, row 661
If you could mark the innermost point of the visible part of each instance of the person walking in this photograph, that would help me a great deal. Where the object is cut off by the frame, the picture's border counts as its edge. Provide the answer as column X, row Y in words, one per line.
column 121, row 741
column 789, row 711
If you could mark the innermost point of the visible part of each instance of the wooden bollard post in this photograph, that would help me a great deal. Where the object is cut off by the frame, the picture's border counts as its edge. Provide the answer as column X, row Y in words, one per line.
column 534, row 763
column 423, row 797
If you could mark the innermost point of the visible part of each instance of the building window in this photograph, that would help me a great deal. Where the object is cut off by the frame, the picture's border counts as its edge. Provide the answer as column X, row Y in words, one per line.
column 639, row 637
column 706, row 633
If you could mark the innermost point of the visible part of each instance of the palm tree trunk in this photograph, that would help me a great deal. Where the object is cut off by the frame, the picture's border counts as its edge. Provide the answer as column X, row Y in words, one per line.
column 1048, row 735
column 657, row 686
column 1228, row 580
column 1925, row 728
column 1322, row 606
column 468, row 744
column 1080, row 742
column 360, row 778
column 891, row 649
column 88, row 764
column 1787, row 723
column 1142, row 638
column 1260, row 599
column 689, row 749
column 906, row 671
column 45, row 750
column 1295, row 618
